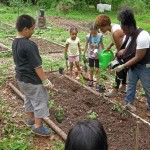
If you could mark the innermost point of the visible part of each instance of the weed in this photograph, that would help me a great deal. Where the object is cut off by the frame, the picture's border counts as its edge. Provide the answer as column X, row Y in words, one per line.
column 58, row 145
column 82, row 80
column 51, row 104
column 59, row 114
column 92, row 115
column 120, row 109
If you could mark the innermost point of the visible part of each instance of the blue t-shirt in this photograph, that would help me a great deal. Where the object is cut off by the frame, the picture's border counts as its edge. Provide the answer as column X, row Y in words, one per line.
column 94, row 43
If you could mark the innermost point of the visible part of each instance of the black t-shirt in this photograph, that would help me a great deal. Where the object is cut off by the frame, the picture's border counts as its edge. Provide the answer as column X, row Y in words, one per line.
column 27, row 58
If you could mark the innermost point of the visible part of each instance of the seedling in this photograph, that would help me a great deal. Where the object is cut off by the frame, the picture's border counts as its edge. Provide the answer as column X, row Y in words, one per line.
column 82, row 80
column 59, row 115
column 93, row 115
column 120, row 109
column 51, row 104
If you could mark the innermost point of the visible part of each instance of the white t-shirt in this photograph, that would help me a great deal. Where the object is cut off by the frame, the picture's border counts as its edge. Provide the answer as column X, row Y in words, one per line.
column 143, row 40
column 114, row 28
column 73, row 49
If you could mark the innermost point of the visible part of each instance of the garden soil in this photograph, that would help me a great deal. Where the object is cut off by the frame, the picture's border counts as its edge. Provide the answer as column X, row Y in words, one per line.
column 78, row 103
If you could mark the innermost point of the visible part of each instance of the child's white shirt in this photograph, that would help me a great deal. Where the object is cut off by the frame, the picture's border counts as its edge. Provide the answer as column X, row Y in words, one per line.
column 73, row 49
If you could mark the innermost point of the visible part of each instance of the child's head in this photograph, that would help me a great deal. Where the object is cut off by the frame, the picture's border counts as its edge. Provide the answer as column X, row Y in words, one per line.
column 25, row 25
column 93, row 29
column 87, row 135
column 103, row 22
column 73, row 32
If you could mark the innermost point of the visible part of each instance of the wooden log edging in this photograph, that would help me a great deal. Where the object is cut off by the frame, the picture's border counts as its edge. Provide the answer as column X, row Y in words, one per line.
column 5, row 47
column 49, row 122
column 98, row 94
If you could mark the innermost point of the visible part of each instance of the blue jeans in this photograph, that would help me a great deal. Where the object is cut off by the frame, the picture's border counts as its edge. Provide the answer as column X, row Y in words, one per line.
column 138, row 72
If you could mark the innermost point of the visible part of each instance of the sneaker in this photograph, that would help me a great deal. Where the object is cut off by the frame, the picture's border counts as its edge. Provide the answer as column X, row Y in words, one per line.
column 78, row 77
column 131, row 107
column 30, row 122
column 91, row 83
column 111, row 94
column 42, row 131
column 122, row 90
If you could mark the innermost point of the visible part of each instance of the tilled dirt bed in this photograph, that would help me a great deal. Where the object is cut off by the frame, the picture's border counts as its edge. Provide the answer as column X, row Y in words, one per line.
column 77, row 103
column 46, row 46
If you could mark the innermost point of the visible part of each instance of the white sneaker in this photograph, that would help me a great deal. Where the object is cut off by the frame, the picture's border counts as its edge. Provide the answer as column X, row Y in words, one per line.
column 77, row 77
column 131, row 107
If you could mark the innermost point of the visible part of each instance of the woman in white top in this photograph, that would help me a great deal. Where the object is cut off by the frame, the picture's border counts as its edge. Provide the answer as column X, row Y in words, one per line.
column 116, row 34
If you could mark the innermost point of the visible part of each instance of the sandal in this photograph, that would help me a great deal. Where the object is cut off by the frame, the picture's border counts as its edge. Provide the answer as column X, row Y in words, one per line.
column 91, row 83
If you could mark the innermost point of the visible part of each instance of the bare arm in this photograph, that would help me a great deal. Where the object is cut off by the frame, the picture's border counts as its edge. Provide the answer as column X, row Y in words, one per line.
column 102, row 44
column 86, row 46
column 116, row 37
column 79, row 46
column 41, row 73
column 66, row 48
column 109, row 47
column 138, row 56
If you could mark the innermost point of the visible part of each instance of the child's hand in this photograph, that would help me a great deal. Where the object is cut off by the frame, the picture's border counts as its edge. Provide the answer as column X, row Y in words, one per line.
column 80, row 56
column 66, row 56
column 84, row 59
column 47, row 84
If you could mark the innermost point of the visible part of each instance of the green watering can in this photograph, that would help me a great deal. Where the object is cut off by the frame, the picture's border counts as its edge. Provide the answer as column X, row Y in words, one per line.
column 105, row 58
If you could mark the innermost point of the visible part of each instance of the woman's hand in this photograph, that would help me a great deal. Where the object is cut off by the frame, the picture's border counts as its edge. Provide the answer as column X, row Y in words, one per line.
column 121, row 52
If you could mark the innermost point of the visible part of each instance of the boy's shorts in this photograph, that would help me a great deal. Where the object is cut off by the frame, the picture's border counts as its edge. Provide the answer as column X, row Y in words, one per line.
column 73, row 58
column 36, row 99
column 93, row 63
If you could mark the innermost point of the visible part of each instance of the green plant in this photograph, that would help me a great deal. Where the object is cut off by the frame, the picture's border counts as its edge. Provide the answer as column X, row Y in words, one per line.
column 58, row 145
column 51, row 104
column 65, row 5
column 59, row 114
column 92, row 115
column 14, row 143
column 82, row 80
column 120, row 109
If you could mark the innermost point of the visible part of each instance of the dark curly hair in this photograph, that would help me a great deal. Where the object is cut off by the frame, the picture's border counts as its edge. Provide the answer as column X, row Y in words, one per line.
column 126, row 17
column 102, row 20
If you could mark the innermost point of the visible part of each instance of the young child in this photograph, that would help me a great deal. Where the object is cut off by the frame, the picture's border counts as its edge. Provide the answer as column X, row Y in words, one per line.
column 87, row 135
column 30, row 75
column 93, row 43
column 73, row 51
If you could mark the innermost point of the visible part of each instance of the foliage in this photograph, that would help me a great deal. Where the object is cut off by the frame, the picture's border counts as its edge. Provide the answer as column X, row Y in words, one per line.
column 65, row 5
column 59, row 114
column 120, row 109
column 14, row 143
column 51, row 104
column 137, row 5
column 92, row 115
column 45, row 3
column 82, row 80
column 58, row 145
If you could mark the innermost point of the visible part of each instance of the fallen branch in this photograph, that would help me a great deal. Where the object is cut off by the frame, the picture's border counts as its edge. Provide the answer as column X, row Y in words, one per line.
column 50, row 123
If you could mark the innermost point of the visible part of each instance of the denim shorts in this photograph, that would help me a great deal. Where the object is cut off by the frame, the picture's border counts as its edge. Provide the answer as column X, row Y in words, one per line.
column 36, row 99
